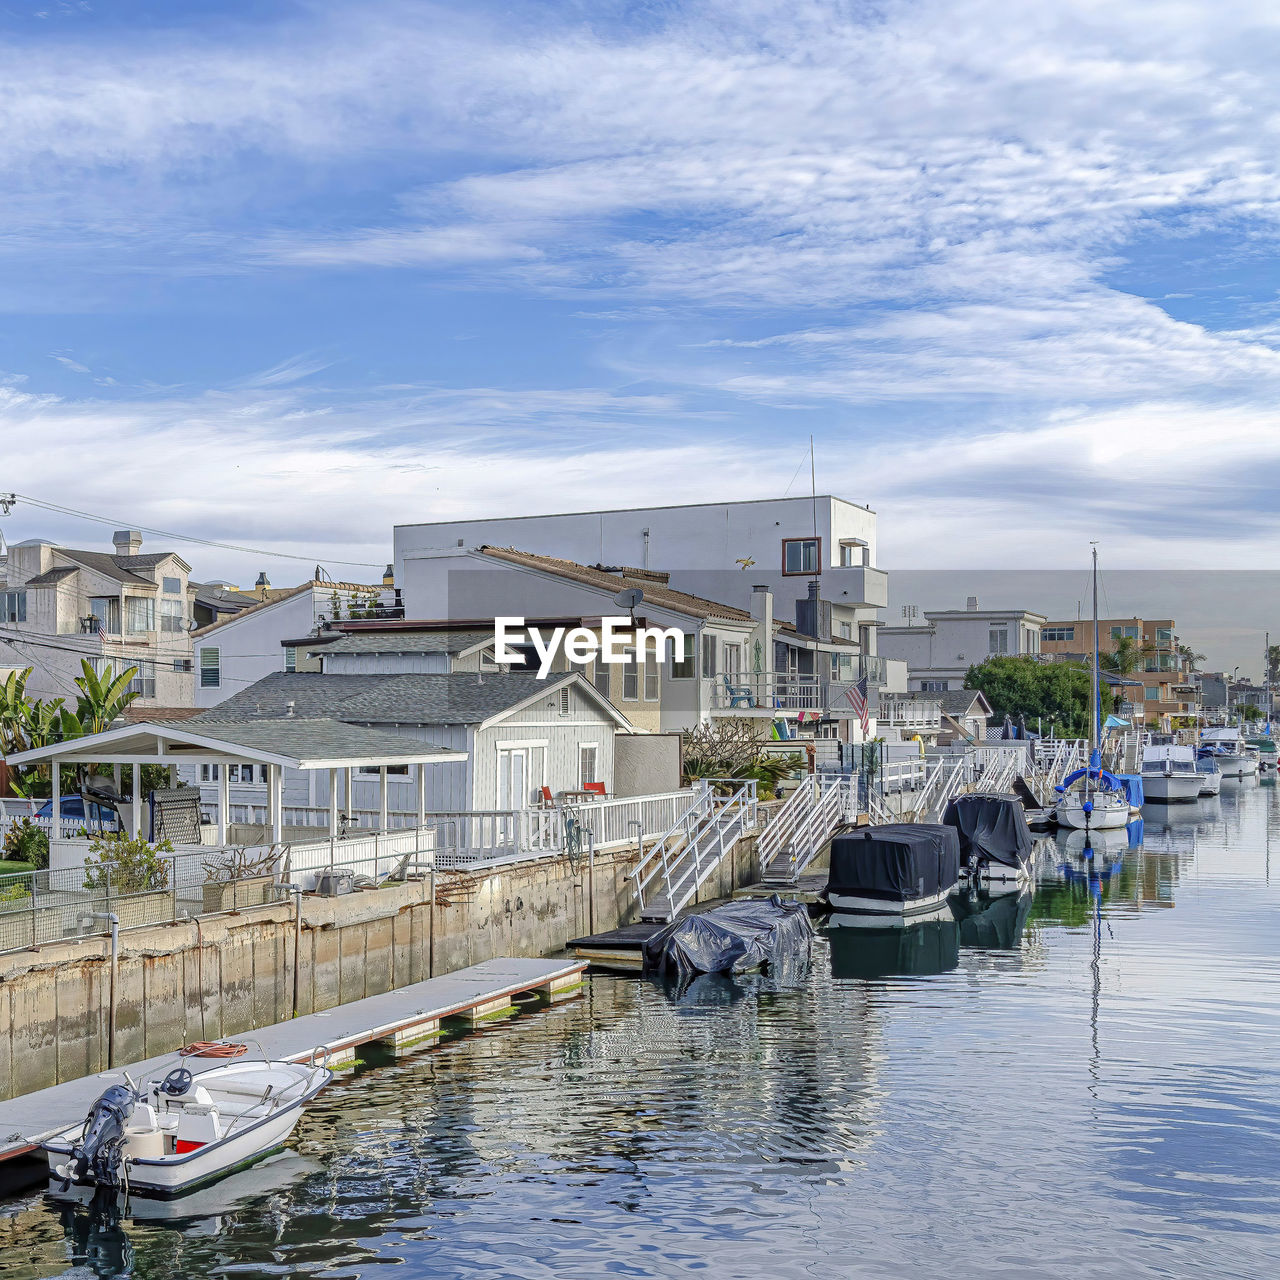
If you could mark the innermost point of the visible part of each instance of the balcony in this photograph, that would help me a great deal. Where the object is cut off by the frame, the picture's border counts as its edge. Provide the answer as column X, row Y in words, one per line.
column 856, row 585
column 769, row 694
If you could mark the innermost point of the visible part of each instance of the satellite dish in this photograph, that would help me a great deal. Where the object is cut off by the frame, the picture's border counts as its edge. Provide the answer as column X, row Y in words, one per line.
column 629, row 598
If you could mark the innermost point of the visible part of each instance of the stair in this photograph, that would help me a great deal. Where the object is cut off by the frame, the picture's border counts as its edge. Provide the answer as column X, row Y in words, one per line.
column 802, row 828
column 672, row 871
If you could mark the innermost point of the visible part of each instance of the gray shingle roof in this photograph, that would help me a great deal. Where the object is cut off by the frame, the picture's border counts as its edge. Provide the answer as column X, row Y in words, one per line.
column 108, row 565
column 323, row 738
column 457, row 698
column 52, row 576
column 403, row 641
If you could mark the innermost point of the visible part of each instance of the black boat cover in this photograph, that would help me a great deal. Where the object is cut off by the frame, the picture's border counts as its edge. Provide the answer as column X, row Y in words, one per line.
column 749, row 933
column 910, row 951
column 992, row 828
column 897, row 862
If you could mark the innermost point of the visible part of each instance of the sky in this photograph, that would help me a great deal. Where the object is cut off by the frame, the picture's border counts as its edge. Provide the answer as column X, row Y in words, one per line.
column 283, row 274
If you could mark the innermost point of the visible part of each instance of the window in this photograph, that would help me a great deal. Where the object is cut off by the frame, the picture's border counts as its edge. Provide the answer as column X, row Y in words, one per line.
column 588, row 753
column 998, row 640
column 935, row 686
column 106, row 609
column 564, row 701
column 801, row 555
column 140, row 614
column 182, row 664
column 682, row 666
column 210, row 668
column 393, row 770
column 1126, row 633
column 1152, row 695
column 652, row 680
column 853, row 555
column 600, row 676
column 1057, row 633
column 15, row 606
column 290, row 658
column 171, row 616
column 1164, row 635
column 144, row 682
column 708, row 657
column 208, row 773
column 630, row 679
column 846, row 631
column 171, row 586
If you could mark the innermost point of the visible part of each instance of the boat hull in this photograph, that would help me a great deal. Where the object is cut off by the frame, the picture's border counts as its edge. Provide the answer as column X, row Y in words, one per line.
column 856, row 904
column 1178, row 788
column 1210, row 784
column 1237, row 765
column 1105, row 817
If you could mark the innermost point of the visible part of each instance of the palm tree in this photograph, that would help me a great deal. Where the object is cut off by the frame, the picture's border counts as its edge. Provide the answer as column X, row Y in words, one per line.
column 102, row 697
column 1273, row 663
column 1193, row 659
column 1125, row 658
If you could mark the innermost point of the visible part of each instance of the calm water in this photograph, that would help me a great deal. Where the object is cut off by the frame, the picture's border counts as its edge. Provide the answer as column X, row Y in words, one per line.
column 1039, row 1091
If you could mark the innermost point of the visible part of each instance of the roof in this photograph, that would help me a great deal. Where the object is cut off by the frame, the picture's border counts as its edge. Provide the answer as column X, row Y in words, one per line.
column 656, row 593
column 403, row 641
column 291, row 741
column 277, row 595
column 108, row 565
column 135, row 714
column 216, row 597
column 959, row 702
column 52, row 576
column 412, row 698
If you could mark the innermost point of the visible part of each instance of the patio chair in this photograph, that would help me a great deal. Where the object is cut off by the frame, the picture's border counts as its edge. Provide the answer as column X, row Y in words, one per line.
column 596, row 788
column 740, row 695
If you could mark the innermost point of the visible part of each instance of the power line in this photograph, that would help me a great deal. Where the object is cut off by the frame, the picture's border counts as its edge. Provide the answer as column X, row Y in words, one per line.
column 184, row 537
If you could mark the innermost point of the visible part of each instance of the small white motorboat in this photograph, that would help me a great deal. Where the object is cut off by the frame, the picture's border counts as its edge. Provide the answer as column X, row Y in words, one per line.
column 185, row 1129
column 1210, row 774
column 1229, row 748
column 1169, row 773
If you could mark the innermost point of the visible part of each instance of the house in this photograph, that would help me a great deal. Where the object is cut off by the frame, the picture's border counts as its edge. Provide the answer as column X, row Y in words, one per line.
column 939, row 653
column 728, row 661
column 216, row 601
column 719, row 551
column 1169, row 689
column 520, row 734
column 120, row 608
column 243, row 647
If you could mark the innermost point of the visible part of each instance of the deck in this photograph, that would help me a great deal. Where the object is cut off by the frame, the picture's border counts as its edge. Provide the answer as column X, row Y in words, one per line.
column 397, row 1019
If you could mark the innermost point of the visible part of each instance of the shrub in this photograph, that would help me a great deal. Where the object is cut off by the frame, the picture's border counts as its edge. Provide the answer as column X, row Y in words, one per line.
column 16, row 890
column 121, row 864
column 25, row 842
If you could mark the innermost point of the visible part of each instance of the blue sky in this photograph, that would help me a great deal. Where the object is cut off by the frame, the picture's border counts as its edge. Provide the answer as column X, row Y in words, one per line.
column 286, row 274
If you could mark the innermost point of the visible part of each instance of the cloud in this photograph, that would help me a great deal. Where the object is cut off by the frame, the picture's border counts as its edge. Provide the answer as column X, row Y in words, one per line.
column 74, row 365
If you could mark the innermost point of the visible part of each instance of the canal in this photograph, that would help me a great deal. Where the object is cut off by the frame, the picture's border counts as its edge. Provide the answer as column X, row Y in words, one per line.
column 1079, row 1083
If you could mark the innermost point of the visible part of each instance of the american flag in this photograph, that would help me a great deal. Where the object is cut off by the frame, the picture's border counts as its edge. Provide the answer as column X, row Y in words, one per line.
column 856, row 696
column 99, row 627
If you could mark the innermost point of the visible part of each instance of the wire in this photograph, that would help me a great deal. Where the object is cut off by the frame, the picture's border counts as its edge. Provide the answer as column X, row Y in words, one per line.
column 184, row 537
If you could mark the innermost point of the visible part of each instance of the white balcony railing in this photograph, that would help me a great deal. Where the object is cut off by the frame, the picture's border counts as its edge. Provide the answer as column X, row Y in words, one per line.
column 784, row 691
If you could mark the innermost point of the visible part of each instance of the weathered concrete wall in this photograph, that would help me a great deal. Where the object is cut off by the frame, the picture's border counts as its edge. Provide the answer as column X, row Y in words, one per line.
column 228, row 974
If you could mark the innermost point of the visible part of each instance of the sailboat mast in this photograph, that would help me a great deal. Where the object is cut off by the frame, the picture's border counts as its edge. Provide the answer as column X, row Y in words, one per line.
column 1095, row 730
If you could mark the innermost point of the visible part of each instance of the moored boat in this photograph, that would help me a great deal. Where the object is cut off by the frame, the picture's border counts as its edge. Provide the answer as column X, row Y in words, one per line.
column 1229, row 748
column 995, row 841
column 1092, row 798
column 184, row 1129
column 1210, row 774
column 1169, row 773
column 898, row 870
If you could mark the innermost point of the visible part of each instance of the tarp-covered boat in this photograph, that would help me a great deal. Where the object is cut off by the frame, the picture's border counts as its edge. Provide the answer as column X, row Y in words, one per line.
column 995, row 841
column 899, row 869
column 750, row 933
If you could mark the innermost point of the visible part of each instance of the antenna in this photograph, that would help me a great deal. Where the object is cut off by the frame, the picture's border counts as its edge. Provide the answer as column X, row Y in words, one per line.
column 910, row 612
column 813, row 489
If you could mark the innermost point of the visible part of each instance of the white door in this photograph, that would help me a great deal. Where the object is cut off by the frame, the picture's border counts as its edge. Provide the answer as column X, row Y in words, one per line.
column 513, row 778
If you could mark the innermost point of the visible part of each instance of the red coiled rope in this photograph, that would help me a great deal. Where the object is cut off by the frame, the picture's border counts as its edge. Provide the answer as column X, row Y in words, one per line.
column 213, row 1049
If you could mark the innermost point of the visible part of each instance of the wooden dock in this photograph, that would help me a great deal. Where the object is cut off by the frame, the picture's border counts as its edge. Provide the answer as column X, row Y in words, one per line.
column 397, row 1019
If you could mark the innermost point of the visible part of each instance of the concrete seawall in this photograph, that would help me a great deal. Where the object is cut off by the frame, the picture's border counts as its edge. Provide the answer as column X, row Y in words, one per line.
column 227, row 974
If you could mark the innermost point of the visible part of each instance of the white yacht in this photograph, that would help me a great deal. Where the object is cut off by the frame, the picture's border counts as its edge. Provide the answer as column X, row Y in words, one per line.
column 1228, row 747
column 1169, row 773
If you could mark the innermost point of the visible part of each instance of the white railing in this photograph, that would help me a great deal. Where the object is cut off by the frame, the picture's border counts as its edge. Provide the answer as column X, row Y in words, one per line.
column 903, row 775
column 655, row 865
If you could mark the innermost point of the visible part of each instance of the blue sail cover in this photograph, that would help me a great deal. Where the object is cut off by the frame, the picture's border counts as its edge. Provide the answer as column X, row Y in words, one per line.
column 1106, row 780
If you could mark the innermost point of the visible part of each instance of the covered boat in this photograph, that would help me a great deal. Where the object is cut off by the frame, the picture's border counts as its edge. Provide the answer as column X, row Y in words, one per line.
column 1169, row 773
column 746, row 934
column 995, row 841
column 899, row 869
column 184, row 1129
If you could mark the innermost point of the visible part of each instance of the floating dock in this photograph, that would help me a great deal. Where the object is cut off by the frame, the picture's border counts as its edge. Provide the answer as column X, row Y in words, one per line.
column 400, row 1019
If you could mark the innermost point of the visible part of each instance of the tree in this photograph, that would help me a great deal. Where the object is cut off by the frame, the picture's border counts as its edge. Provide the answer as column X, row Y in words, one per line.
column 102, row 697
column 1273, row 664
column 1057, row 692
column 1125, row 658
column 1249, row 712
column 1193, row 659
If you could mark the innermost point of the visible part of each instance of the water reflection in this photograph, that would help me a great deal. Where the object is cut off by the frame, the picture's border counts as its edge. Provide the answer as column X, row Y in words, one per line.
column 1127, row 1013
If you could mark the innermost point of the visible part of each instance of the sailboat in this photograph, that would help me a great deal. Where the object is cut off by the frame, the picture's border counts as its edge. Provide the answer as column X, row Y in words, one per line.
column 1093, row 798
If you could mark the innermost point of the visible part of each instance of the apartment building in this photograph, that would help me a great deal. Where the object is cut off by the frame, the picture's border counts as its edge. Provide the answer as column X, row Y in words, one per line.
column 940, row 652
column 120, row 608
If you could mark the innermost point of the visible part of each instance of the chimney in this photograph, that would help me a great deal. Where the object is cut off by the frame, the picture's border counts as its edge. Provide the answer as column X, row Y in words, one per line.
column 127, row 542
column 813, row 614
column 762, row 612
column 971, row 604
column 263, row 585
column 389, row 576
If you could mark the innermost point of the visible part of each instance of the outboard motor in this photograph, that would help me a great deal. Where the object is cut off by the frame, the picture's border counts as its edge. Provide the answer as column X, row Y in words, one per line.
column 98, row 1156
